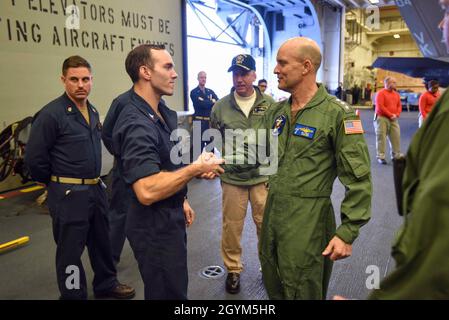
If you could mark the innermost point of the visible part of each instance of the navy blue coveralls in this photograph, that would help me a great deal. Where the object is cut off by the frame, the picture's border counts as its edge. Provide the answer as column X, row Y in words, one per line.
column 120, row 192
column 157, row 233
column 202, row 103
column 62, row 144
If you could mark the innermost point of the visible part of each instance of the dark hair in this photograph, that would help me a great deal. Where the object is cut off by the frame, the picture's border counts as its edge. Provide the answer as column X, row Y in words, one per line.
column 262, row 80
column 431, row 83
column 74, row 62
column 140, row 56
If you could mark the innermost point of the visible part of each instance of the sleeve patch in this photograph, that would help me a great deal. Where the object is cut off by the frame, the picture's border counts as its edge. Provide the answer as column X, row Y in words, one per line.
column 353, row 126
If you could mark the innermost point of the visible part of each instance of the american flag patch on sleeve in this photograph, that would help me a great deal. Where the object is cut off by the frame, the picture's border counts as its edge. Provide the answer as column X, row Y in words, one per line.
column 353, row 126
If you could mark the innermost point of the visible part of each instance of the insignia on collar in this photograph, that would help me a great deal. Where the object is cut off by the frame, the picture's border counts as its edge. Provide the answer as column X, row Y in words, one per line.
column 278, row 125
column 69, row 109
column 304, row 131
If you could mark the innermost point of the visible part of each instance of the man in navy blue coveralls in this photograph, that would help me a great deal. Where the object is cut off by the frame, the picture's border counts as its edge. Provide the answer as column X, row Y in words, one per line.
column 203, row 100
column 120, row 193
column 159, row 212
column 64, row 152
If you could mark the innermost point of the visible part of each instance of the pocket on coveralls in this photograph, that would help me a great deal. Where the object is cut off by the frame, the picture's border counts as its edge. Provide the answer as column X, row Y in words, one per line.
column 70, row 202
column 353, row 159
column 306, row 288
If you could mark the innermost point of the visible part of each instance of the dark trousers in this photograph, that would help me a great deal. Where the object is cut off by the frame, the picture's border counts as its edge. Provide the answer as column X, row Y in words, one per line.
column 157, row 235
column 118, row 206
column 79, row 216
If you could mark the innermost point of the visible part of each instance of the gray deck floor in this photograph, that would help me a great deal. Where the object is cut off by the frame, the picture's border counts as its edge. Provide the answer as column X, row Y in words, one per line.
column 29, row 273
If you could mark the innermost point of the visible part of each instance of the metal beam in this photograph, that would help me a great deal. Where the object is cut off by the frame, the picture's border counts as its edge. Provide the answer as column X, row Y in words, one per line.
column 355, row 4
column 338, row 2
column 220, row 41
column 230, row 24
column 197, row 11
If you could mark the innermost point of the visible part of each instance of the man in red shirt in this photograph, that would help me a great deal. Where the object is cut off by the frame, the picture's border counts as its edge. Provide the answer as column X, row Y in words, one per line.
column 428, row 99
column 388, row 109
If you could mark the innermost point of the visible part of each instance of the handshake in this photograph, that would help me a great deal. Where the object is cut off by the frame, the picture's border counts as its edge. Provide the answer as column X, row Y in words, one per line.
column 208, row 166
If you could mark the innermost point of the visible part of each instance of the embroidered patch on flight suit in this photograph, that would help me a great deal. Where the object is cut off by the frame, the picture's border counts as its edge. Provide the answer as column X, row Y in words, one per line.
column 353, row 126
column 260, row 110
column 278, row 125
column 304, row 131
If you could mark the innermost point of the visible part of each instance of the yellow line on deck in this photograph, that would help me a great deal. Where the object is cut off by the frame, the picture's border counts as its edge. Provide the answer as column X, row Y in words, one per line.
column 13, row 244
column 32, row 189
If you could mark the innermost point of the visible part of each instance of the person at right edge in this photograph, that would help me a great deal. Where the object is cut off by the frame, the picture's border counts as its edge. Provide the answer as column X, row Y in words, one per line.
column 319, row 139
column 386, row 123
column 422, row 246
column 427, row 100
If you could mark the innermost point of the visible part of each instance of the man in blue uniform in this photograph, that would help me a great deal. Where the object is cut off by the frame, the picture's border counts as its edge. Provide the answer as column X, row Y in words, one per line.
column 159, row 212
column 64, row 152
column 120, row 193
column 203, row 100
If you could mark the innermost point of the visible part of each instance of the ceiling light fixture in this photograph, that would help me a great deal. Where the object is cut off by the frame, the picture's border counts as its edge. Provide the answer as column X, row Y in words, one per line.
column 396, row 36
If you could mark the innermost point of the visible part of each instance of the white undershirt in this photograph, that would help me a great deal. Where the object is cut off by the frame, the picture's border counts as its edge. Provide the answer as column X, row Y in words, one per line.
column 245, row 103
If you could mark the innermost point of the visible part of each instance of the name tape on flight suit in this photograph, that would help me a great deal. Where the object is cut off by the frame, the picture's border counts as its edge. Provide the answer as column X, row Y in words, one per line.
column 260, row 110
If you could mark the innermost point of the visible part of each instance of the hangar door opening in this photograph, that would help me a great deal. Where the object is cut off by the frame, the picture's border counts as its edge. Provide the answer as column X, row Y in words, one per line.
column 217, row 31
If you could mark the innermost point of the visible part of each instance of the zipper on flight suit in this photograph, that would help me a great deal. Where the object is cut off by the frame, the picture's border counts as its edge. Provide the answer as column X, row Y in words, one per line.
column 290, row 125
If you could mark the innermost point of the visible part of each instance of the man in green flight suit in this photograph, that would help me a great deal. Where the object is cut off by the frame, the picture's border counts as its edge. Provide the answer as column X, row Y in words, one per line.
column 319, row 138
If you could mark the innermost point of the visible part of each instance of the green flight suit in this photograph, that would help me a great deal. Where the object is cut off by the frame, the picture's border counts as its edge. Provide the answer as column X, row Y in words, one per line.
column 227, row 115
column 299, row 219
column 421, row 250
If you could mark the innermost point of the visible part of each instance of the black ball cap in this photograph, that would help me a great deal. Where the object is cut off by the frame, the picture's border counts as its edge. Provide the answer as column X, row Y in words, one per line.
column 243, row 61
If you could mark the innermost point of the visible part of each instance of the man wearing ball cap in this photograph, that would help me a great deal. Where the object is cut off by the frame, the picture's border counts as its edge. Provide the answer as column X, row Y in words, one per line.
column 240, row 110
